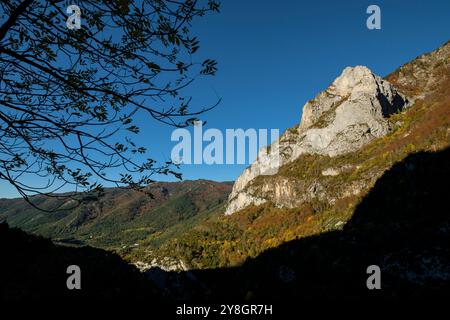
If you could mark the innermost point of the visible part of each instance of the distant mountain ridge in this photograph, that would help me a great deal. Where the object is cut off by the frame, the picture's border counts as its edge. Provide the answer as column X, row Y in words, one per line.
column 120, row 217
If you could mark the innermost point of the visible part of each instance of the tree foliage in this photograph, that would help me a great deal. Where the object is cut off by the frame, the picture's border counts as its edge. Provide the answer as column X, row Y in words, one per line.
column 69, row 98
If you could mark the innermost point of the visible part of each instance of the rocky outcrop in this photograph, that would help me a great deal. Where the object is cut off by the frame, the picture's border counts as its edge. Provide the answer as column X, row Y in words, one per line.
column 166, row 264
column 350, row 113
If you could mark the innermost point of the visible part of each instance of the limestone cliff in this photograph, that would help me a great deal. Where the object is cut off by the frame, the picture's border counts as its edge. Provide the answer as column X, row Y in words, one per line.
column 350, row 113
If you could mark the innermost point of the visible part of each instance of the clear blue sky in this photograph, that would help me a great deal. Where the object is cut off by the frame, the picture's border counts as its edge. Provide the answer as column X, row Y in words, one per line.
column 274, row 56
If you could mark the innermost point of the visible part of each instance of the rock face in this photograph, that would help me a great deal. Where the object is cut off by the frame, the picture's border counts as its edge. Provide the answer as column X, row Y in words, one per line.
column 350, row 113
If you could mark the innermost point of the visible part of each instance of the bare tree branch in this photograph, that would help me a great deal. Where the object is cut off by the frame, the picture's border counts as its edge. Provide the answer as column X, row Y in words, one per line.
column 69, row 98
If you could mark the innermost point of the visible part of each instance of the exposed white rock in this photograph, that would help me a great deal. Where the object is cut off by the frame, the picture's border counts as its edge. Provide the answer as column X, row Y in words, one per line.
column 336, row 171
column 242, row 200
column 339, row 224
column 331, row 172
column 350, row 113
column 166, row 264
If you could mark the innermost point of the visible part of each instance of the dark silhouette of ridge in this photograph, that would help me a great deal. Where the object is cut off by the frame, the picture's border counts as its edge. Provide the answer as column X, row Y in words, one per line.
column 34, row 268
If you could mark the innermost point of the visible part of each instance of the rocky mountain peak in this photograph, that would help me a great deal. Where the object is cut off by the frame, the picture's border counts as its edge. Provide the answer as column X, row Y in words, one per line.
column 355, row 84
column 350, row 113
column 353, row 78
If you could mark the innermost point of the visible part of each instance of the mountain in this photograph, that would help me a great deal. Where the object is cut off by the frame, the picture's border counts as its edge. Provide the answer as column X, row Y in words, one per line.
column 401, row 226
column 353, row 111
column 356, row 109
column 120, row 218
column 362, row 181
column 326, row 173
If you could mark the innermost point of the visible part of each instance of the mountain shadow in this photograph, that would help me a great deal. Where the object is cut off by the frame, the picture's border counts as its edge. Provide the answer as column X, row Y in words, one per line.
column 402, row 226
column 34, row 268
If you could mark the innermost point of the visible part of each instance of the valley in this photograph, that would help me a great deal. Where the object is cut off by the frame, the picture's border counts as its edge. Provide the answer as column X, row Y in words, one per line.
column 121, row 218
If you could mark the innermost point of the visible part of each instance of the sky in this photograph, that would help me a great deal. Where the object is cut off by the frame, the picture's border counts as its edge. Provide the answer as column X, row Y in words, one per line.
column 275, row 56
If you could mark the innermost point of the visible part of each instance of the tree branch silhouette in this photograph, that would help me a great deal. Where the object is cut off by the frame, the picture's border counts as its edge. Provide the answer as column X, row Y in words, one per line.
column 69, row 99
